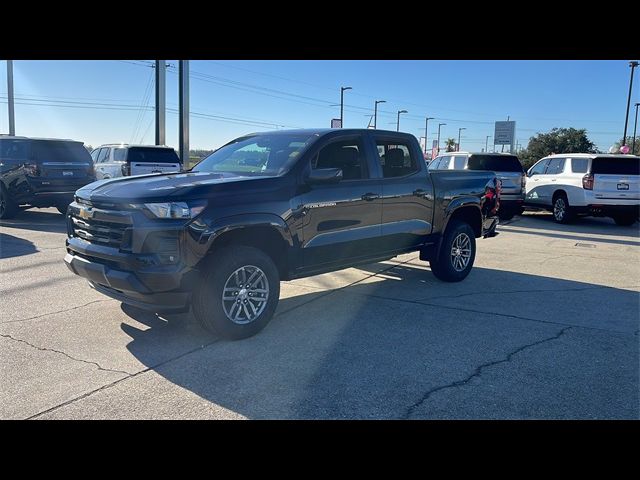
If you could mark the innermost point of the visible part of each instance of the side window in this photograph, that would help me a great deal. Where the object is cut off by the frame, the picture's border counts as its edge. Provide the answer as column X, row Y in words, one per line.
column 445, row 163
column 555, row 167
column 347, row 155
column 579, row 165
column 538, row 168
column 459, row 162
column 119, row 154
column 102, row 156
column 434, row 163
column 397, row 160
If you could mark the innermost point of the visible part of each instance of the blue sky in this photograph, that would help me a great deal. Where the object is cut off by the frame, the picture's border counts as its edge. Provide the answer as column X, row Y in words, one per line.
column 100, row 101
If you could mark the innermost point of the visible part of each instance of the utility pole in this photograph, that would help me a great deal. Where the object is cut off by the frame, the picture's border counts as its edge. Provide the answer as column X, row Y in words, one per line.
column 439, row 125
column 460, row 130
column 633, row 65
column 398, row 122
column 183, row 114
column 12, row 117
column 486, row 143
column 426, row 128
column 161, row 101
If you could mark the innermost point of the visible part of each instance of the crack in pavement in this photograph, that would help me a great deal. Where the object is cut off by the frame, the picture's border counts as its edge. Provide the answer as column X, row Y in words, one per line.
column 43, row 349
column 129, row 376
column 59, row 311
column 477, row 373
column 526, row 291
column 482, row 312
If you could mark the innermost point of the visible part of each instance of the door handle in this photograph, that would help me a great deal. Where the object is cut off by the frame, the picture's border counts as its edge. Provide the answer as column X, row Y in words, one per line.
column 370, row 197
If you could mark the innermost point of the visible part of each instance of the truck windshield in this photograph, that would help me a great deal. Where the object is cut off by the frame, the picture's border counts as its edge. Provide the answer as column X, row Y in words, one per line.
column 259, row 155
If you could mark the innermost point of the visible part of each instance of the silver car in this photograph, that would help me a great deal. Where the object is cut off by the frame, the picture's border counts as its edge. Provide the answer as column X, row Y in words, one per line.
column 507, row 168
column 118, row 160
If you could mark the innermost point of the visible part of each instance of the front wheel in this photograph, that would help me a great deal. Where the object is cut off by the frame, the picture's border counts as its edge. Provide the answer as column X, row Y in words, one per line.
column 238, row 293
column 8, row 209
column 457, row 253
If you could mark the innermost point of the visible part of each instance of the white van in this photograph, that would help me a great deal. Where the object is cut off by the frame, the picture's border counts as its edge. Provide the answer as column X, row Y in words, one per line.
column 118, row 160
column 571, row 184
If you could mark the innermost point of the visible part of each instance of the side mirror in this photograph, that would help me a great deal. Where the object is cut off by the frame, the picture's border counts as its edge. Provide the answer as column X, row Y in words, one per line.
column 321, row 176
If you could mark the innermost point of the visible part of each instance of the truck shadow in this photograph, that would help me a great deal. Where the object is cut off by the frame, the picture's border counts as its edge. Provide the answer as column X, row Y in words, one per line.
column 11, row 246
column 41, row 220
column 372, row 349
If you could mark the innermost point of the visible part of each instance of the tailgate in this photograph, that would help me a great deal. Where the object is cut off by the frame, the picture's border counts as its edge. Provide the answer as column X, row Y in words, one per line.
column 616, row 177
column 144, row 168
column 511, row 182
column 70, row 172
column 622, row 187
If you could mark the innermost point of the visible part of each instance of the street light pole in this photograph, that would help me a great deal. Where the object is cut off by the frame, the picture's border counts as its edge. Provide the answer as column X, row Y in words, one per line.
column 398, row 123
column 342, row 89
column 439, row 125
column 426, row 127
column 12, row 117
column 460, row 130
column 633, row 65
column 486, row 143
column 375, row 113
column 635, row 124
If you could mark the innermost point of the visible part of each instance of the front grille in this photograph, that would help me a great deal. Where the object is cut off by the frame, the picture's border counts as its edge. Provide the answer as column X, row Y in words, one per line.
column 98, row 231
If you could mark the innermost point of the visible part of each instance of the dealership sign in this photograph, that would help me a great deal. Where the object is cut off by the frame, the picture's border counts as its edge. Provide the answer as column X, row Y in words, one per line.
column 505, row 133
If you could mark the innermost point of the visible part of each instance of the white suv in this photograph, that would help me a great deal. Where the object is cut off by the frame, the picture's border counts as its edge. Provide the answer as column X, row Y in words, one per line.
column 571, row 184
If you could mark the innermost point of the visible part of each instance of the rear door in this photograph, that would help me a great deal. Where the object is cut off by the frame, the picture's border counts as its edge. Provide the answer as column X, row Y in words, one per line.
column 507, row 168
column 407, row 196
column 61, row 164
column 145, row 160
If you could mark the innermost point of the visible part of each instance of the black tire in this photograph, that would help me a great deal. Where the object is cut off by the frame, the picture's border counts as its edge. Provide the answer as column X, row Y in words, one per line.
column 562, row 211
column 444, row 266
column 8, row 209
column 210, row 309
column 62, row 208
column 625, row 220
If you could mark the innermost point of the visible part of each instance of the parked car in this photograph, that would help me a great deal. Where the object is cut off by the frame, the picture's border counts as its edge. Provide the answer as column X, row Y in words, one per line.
column 41, row 172
column 507, row 167
column 118, row 160
column 572, row 184
column 274, row 206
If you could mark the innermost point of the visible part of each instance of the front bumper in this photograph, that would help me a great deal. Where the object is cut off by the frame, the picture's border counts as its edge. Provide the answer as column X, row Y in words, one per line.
column 132, row 287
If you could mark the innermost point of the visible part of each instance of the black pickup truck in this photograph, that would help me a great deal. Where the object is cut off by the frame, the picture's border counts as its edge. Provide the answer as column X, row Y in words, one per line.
column 274, row 206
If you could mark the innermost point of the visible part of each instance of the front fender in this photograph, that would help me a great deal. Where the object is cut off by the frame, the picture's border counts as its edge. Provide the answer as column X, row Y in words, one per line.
column 222, row 225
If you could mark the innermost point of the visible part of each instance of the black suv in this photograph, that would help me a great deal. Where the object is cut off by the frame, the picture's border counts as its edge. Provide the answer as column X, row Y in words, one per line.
column 41, row 172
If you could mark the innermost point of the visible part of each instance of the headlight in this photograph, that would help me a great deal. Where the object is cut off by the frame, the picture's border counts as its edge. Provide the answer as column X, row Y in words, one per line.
column 174, row 209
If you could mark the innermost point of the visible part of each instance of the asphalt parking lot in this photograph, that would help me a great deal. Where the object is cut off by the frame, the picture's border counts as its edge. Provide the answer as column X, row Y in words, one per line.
column 545, row 327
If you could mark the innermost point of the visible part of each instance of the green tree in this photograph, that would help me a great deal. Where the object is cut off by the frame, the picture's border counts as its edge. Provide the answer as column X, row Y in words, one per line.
column 558, row 140
column 629, row 143
column 450, row 144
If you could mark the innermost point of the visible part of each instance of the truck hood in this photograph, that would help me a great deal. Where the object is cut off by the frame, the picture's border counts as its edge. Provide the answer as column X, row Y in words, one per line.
column 158, row 187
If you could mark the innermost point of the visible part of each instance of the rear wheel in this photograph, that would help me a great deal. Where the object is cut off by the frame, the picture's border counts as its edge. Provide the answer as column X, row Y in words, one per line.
column 562, row 212
column 238, row 293
column 8, row 209
column 625, row 220
column 457, row 253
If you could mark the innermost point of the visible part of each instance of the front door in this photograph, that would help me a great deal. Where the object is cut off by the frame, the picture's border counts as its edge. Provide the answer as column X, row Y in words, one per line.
column 341, row 221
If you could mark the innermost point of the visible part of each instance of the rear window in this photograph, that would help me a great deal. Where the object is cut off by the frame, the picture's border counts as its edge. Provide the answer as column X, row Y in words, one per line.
column 14, row 149
column 495, row 163
column 616, row 165
column 60, row 152
column 153, row 155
